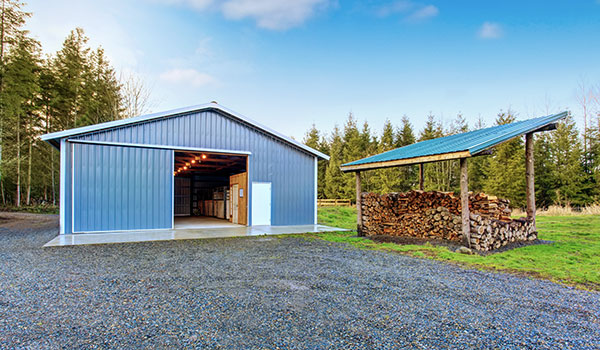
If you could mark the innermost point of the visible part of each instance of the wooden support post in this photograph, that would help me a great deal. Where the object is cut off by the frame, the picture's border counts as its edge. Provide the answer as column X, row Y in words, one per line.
column 358, row 206
column 421, row 177
column 464, row 202
column 530, row 177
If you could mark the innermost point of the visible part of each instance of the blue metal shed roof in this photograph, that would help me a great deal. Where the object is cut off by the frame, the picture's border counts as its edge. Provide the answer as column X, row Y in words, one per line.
column 462, row 145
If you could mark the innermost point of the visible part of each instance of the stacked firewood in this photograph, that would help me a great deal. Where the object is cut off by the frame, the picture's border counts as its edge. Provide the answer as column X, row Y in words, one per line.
column 415, row 201
column 489, row 233
column 430, row 223
column 490, row 206
column 438, row 215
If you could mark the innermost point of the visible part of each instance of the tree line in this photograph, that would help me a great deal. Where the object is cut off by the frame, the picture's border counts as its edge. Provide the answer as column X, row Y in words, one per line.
column 73, row 87
column 567, row 162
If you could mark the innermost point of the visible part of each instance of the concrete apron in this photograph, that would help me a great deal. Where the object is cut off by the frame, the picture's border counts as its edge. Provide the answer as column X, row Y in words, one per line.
column 184, row 233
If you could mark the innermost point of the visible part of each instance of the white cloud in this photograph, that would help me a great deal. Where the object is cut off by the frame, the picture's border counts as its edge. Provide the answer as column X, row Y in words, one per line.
column 423, row 13
column 411, row 11
column 490, row 30
column 273, row 14
column 187, row 76
column 268, row 14
column 195, row 4
column 401, row 6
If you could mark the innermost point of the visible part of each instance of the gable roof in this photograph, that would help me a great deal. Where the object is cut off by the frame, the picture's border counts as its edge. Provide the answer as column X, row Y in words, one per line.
column 452, row 147
column 54, row 138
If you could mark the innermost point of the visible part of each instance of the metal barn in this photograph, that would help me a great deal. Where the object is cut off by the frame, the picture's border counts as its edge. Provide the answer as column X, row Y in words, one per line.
column 201, row 165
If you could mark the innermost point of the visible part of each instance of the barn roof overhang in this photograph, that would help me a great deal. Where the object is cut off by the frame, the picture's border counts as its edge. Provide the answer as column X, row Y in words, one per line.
column 464, row 145
column 55, row 137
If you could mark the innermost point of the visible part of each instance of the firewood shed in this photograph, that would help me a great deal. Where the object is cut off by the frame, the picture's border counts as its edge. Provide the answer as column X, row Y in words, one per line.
column 459, row 147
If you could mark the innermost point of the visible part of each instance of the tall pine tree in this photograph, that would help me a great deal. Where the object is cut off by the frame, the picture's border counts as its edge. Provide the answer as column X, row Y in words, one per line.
column 389, row 179
column 545, row 195
column 352, row 149
column 477, row 166
column 334, row 181
column 505, row 174
column 568, row 170
column 314, row 139
column 21, row 121
column 408, row 174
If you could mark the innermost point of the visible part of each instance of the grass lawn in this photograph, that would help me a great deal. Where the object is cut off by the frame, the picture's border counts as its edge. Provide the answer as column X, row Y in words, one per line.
column 573, row 258
column 34, row 209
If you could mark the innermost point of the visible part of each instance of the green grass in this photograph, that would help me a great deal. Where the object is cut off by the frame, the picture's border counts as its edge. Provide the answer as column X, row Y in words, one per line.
column 573, row 258
column 342, row 217
column 35, row 209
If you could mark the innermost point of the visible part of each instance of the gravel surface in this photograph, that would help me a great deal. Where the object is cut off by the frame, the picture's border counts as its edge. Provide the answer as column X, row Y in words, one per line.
column 267, row 292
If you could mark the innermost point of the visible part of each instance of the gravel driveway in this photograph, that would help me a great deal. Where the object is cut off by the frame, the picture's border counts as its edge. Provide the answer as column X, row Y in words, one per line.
column 269, row 293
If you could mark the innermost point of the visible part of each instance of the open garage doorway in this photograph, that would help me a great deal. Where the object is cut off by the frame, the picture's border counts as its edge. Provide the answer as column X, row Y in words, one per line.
column 210, row 190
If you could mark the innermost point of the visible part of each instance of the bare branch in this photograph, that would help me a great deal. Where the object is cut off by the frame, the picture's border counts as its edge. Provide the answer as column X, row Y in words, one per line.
column 136, row 95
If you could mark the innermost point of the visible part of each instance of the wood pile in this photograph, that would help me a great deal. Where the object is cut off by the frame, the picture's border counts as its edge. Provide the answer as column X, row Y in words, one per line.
column 490, row 206
column 489, row 233
column 438, row 215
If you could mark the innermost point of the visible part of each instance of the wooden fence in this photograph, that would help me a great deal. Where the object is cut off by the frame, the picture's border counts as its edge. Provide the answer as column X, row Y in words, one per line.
column 333, row 202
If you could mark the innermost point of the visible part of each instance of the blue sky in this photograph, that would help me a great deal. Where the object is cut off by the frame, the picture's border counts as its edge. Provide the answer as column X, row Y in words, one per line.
column 288, row 64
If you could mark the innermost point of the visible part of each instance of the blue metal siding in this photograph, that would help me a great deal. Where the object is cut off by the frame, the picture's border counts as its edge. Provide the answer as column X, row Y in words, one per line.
column 121, row 188
column 289, row 169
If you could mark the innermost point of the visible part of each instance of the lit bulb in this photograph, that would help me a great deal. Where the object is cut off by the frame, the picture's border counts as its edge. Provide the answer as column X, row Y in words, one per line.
column 187, row 164
column 184, row 168
column 204, row 156
column 193, row 161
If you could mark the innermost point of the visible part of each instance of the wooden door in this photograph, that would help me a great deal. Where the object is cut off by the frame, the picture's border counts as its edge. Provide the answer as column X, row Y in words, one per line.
column 239, row 194
column 234, row 203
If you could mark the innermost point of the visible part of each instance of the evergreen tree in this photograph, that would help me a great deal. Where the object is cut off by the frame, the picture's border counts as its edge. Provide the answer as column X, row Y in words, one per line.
column 477, row 166
column 431, row 130
column 334, row 181
column 73, row 70
column 49, row 155
column 352, row 149
column 544, row 171
column 101, row 99
column 592, row 157
column 450, row 170
column 74, row 87
column 435, row 173
column 21, row 87
column 368, row 147
column 459, row 125
column 405, row 135
column 12, row 20
column 388, row 179
column 408, row 174
column 505, row 174
column 314, row 139
column 568, row 170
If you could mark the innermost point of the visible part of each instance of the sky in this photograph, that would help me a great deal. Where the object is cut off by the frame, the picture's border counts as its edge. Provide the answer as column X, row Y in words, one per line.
column 291, row 63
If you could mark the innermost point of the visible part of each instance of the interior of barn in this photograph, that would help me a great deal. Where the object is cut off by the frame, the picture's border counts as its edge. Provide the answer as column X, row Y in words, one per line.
column 209, row 190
